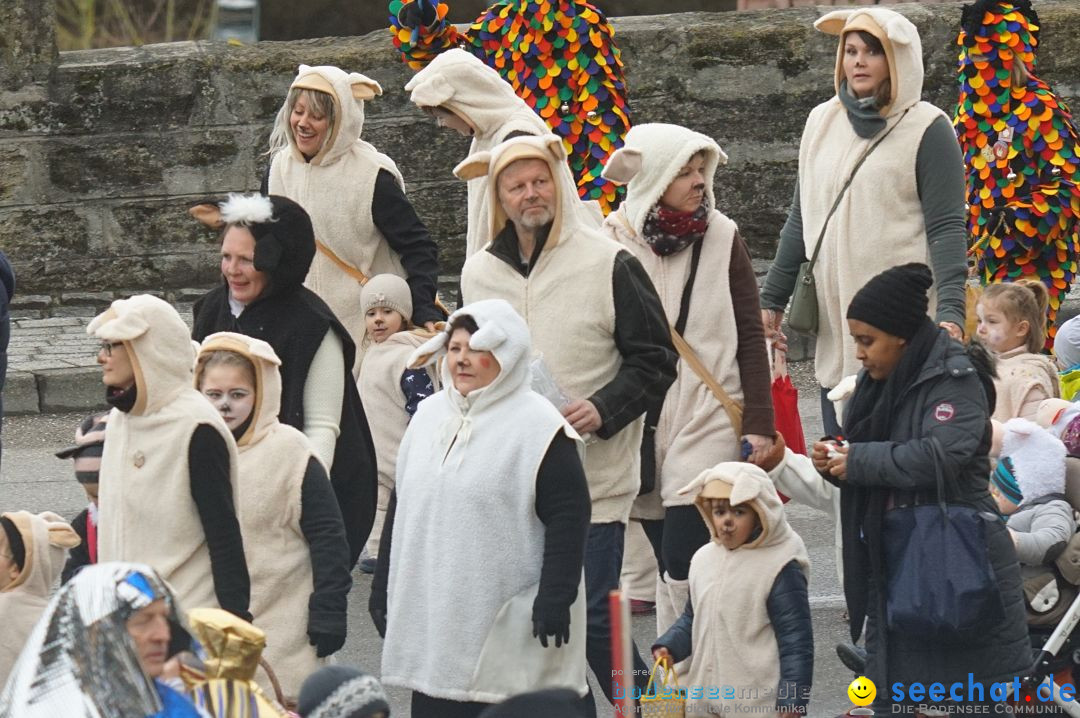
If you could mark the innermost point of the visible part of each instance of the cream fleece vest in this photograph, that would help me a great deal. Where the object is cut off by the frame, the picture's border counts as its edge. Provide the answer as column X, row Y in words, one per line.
column 380, row 391
column 278, row 557
column 694, row 431
column 467, row 552
column 878, row 224
column 1023, row 380
column 568, row 302
column 338, row 197
column 147, row 513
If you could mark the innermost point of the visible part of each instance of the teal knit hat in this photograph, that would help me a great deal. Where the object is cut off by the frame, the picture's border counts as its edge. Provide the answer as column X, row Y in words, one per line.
column 1004, row 478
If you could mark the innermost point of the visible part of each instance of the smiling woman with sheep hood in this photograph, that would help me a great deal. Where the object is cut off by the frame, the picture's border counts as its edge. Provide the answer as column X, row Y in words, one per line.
column 364, row 224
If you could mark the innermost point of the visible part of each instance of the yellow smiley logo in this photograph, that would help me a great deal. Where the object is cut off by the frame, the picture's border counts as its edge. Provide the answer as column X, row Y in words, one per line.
column 862, row 691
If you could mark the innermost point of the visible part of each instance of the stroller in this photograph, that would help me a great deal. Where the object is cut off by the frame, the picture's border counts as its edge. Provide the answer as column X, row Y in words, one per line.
column 1056, row 641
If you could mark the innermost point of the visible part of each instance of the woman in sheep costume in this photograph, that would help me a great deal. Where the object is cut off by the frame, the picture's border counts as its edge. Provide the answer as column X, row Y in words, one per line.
column 670, row 223
column 905, row 203
column 480, row 588
column 364, row 223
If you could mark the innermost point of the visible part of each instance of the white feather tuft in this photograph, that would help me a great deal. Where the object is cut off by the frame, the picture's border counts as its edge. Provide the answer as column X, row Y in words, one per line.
column 247, row 209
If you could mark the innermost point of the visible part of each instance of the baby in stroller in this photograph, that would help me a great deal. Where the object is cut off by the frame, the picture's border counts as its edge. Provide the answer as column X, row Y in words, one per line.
column 1029, row 487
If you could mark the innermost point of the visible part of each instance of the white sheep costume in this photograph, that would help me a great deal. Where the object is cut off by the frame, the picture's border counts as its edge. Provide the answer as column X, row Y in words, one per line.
column 570, row 312
column 46, row 539
column 147, row 514
column 467, row 546
column 460, row 82
column 336, row 189
column 857, row 243
column 272, row 459
column 733, row 639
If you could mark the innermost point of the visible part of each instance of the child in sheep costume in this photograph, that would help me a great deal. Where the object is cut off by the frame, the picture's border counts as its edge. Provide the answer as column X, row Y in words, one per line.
column 482, row 567
column 456, row 81
column 38, row 544
column 355, row 196
column 560, row 57
column 1029, row 487
column 748, row 617
column 168, row 487
column 297, row 552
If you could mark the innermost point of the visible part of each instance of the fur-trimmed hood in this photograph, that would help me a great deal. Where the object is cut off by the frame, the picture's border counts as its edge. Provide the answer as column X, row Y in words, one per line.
column 900, row 39
column 158, row 344
column 1038, row 459
column 650, row 160
column 349, row 91
column 742, row 483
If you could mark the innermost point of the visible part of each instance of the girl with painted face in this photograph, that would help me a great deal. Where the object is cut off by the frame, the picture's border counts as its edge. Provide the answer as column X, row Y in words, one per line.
column 1012, row 325
column 389, row 391
column 354, row 194
column 297, row 553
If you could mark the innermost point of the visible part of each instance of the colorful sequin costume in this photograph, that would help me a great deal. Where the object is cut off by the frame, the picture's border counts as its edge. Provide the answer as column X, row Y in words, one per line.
column 559, row 56
column 1021, row 148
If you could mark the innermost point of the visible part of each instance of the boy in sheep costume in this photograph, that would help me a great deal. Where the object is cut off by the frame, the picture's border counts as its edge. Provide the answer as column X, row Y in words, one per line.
column 456, row 81
column 748, row 617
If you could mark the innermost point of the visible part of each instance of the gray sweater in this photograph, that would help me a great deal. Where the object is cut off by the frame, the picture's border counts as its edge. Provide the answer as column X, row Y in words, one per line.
column 939, row 172
column 1042, row 528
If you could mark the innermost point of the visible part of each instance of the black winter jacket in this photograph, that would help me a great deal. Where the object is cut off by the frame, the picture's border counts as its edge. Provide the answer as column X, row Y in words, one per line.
column 948, row 402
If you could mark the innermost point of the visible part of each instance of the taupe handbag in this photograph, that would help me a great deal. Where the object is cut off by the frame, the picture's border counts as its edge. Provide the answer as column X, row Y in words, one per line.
column 803, row 315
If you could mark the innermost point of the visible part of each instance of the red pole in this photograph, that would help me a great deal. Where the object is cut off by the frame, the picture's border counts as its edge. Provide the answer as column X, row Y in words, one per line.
column 621, row 664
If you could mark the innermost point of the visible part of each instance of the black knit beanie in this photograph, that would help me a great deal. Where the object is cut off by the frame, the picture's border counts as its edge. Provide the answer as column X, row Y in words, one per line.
column 341, row 692
column 538, row 704
column 894, row 301
column 15, row 541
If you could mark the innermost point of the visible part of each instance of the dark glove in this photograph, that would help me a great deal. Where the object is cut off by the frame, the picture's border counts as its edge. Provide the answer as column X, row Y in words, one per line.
column 378, row 617
column 549, row 621
column 419, row 13
column 326, row 643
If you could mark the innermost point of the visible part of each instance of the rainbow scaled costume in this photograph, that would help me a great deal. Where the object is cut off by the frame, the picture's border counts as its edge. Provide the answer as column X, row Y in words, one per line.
column 558, row 55
column 1021, row 151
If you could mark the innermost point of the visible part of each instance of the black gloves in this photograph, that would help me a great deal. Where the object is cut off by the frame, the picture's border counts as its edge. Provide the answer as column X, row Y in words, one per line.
column 548, row 621
column 419, row 13
column 326, row 643
column 378, row 617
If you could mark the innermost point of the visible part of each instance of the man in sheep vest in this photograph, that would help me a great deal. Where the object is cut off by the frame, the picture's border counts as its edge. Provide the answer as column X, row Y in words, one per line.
column 598, row 323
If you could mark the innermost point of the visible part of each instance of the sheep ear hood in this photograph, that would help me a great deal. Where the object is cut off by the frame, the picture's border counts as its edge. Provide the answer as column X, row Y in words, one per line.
column 349, row 91
column 570, row 212
column 158, row 344
column 742, row 483
column 501, row 331
column 903, row 50
column 650, row 160
column 460, row 82
column 1038, row 459
column 267, row 378
column 46, row 538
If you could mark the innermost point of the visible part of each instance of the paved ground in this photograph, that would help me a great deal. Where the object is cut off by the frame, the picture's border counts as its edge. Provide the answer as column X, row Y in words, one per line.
column 32, row 478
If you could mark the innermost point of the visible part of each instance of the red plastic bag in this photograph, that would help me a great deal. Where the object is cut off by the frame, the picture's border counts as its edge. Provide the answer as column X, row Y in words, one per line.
column 785, row 399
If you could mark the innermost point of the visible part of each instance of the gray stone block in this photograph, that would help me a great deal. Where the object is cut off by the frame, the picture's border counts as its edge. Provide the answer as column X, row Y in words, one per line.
column 20, row 393
column 70, row 389
column 30, row 301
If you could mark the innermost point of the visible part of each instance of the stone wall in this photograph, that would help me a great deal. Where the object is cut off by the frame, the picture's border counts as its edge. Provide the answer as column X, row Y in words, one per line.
column 100, row 157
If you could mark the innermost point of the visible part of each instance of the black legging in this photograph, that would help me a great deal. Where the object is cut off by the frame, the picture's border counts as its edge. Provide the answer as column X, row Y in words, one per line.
column 675, row 538
column 425, row 706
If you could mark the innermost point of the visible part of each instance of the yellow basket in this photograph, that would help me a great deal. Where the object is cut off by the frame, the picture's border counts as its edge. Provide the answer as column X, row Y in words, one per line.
column 667, row 700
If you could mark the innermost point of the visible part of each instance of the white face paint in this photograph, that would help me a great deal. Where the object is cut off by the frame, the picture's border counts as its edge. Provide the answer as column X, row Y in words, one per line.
column 230, row 390
column 996, row 332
